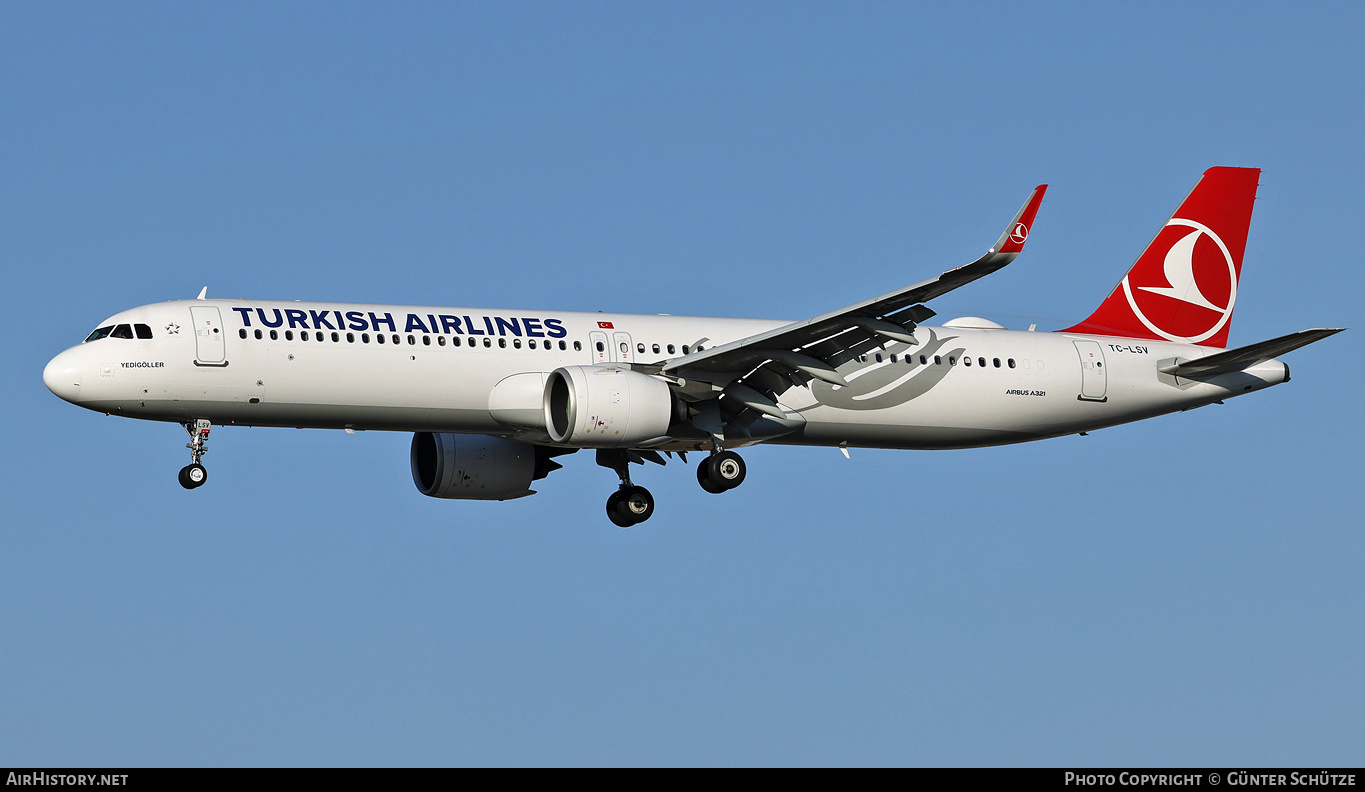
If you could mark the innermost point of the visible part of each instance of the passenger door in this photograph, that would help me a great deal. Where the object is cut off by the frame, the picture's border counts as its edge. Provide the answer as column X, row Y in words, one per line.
column 1094, row 380
column 209, row 347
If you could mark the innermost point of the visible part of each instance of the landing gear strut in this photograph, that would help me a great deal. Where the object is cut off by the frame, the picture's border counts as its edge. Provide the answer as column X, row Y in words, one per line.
column 723, row 470
column 194, row 475
column 629, row 505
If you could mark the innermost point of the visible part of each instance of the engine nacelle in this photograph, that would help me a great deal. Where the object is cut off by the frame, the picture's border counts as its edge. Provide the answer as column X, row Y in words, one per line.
column 476, row 467
column 606, row 407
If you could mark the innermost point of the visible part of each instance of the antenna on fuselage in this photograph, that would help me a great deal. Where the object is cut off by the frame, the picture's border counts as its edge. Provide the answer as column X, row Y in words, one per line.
column 203, row 294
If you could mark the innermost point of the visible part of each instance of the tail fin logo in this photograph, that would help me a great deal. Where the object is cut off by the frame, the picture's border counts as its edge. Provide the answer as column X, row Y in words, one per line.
column 1193, row 276
column 1019, row 234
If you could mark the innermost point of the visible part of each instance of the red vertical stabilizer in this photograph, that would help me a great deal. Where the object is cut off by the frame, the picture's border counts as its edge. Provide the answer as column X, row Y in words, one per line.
column 1184, row 285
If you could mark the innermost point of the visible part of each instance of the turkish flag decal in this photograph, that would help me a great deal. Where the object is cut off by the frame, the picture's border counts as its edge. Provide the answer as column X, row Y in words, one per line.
column 606, row 325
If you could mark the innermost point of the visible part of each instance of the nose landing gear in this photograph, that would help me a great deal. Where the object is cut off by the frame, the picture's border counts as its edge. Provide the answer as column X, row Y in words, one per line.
column 194, row 475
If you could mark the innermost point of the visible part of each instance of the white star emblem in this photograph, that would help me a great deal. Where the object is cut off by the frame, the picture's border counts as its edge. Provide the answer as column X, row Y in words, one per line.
column 172, row 329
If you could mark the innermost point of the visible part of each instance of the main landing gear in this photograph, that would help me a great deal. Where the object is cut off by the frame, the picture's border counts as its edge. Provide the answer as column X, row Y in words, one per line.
column 723, row 470
column 194, row 475
column 629, row 505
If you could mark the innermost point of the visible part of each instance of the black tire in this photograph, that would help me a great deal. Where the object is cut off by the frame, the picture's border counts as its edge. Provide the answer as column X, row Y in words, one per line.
column 636, row 504
column 704, row 479
column 195, row 476
column 726, row 469
column 184, row 478
column 613, row 511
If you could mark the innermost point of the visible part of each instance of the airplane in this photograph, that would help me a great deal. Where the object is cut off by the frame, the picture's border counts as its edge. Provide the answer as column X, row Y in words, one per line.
column 494, row 397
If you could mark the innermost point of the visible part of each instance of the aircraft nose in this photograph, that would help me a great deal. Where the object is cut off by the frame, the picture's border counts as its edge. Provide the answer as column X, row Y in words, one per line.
column 62, row 376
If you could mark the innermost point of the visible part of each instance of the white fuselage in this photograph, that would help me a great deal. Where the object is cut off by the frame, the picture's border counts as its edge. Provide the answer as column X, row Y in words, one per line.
column 482, row 372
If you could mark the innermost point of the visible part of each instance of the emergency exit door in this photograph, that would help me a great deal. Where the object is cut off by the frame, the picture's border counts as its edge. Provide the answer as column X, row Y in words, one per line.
column 620, row 348
column 600, row 353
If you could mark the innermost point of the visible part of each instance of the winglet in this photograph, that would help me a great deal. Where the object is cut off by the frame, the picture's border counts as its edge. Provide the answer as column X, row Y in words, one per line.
column 1016, row 233
column 203, row 294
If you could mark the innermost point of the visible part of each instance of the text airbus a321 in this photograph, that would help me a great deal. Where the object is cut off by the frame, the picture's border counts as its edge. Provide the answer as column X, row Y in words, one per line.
column 493, row 397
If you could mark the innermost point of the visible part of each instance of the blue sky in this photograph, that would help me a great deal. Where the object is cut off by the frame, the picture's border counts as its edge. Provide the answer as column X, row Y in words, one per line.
column 1182, row 591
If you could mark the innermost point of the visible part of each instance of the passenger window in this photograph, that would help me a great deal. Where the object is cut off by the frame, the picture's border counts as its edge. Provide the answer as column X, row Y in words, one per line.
column 101, row 332
column 625, row 348
column 488, row 342
column 350, row 338
column 364, row 338
column 274, row 335
column 670, row 349
column 378, row 338
column 335, row 337
column 530, row 343
column 502, row 343
column 924, row 361
column 122, row 331
column 982, row 362
column 516, row 342
column 454, row 340
column 258, row 335
column 966, row 361
column 685, row 349
column 577, row 346
column 288, row 335
column 879, row 357
column 143, row 331
column 938, row 361
column 440, row 340
column 893, row 358
column 952, row 361
column 396, row 339
column 241, row 333
column 411, row 340
column 656, row 349
column 1011, row 362
column 996, row 361
column 303, row 335
column 426, row 340
column 600, row 348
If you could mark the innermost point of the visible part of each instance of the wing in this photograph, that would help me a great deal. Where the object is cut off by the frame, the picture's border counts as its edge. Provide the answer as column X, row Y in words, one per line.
column 753, row 371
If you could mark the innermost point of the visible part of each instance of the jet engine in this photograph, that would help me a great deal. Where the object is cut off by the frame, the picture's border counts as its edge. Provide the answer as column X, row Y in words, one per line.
column 606, row 407
column 477, row 467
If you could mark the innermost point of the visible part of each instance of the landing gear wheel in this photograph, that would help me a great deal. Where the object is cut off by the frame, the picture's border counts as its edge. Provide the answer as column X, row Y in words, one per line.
column 614, row 514
column 193, row 476
column 704, row 479
column 633, row 505
column 726, row 469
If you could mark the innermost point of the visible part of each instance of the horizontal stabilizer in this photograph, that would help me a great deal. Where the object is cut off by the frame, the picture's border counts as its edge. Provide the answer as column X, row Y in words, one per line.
column 1248, row 356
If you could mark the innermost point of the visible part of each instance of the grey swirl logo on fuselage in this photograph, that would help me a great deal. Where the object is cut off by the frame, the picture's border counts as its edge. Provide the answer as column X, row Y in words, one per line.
column 889, row 384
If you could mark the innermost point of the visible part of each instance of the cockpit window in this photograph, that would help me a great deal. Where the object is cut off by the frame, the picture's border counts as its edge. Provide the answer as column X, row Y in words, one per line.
column 122, row 331
column 143, row 331
column 102, row 332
